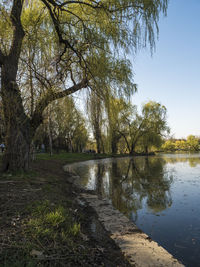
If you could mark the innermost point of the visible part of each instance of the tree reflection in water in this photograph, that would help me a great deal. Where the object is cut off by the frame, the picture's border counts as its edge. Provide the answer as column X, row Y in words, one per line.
column 192, row 160
column 134, row 183
column 144, row 187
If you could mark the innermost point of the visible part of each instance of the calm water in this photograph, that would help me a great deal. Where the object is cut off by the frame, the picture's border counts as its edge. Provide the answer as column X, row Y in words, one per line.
column 160, row 194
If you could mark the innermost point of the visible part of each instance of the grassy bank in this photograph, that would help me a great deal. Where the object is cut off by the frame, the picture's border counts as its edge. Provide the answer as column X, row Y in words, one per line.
column 41, row 222
column 71, row 157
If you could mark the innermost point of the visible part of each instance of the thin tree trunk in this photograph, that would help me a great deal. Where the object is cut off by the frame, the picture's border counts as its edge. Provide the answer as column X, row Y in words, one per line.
column 98, row 137
column 102, row 145
column 114, row 146
column 127, row 144
column 132, row 149
column 50, row 132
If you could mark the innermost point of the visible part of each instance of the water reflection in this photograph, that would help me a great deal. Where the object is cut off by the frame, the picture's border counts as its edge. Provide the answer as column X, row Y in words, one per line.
column 129, row 181
column 193, row 159
column 160, row 194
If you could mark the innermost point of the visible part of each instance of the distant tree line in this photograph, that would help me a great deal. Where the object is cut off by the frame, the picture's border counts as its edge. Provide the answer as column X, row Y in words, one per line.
column 192, row 143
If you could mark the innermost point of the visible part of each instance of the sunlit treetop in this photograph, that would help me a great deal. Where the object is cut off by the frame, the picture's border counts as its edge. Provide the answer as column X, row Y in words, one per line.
column 70, row 41
column 92, row 26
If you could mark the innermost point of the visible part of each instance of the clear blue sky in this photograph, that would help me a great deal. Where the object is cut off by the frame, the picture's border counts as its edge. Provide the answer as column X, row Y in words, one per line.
column 172, row 75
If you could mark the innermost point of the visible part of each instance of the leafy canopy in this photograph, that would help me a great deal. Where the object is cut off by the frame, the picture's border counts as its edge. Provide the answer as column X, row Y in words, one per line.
column 83, row 39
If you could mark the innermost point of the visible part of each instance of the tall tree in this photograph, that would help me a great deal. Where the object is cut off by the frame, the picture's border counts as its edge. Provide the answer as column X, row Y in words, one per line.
column 154, row 126
column 82, row 29
column 147, row 128
column 193, row 143
column 118, row 112
column 95, row 112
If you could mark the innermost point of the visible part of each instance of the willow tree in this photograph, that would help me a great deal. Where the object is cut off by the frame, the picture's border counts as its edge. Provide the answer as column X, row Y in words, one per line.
column 118, row 113
column 146, row 129
column 81, row 30
column 95, row 115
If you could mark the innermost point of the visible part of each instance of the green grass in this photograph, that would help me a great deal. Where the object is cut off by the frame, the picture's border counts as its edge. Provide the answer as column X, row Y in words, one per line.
column 49, row 228
column 71, row 157
column 63, row 157
column 52, row 223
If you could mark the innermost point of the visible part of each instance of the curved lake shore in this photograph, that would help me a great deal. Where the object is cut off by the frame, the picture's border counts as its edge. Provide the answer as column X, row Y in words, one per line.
column 92, row 188
column 159, row 194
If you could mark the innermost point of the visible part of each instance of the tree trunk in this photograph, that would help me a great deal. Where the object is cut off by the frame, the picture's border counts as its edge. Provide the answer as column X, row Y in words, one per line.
column 50, row 141
column 17, row 154
column 98, row 146
column 97, row 134
column 50, row 132
column 132, row 150
column 114, row 142
column 114, row 146
column 102, row 145
column 18, row 129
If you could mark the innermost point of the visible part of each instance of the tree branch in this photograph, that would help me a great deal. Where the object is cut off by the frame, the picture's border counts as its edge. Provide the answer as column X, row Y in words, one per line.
column 18, row 33
column 56, row 23
column 124, row 136
column 93, row 5
column 57, row 26
column 51, row 96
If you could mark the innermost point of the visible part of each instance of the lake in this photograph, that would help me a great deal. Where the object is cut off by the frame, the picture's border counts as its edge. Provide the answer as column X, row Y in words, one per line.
column 160, row 194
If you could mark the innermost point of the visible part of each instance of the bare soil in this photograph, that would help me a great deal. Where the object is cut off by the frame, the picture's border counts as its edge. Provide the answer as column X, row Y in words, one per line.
column 48, row 182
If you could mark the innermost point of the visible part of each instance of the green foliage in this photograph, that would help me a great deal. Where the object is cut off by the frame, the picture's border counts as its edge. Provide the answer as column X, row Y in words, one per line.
column 66, row 125
column 154, row 124
column 119, row 112
column 95, row 108
column 51, row 49
column 124, row 129
column 191, row 144
column 169, row 145
column 99, row 34
column 144, row 131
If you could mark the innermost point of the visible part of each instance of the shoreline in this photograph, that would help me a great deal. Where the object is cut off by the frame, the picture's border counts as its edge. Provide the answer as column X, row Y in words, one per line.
column 23, row 194
column 42, row 223
column 138, row 247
